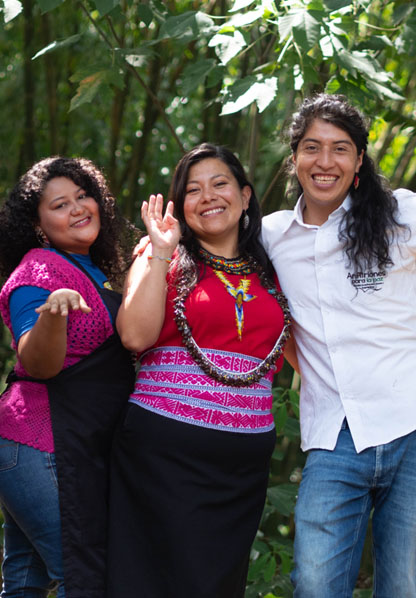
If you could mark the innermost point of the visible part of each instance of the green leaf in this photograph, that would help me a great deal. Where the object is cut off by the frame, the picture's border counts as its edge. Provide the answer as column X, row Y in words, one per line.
column 286, row 562
column 106, row 6
column 302, row 25
column 292, row 429
column 270, row 569
column 47, row 5
column 69, row 41
column 281, row 418
column 246, row 18
column 11, row 9
column 336, row 4
column 262, row 91
column 294, row 401
column 227, row 46
column 306, row 31
column 215, row 76
column 283, row 498
column 187, row 26
column 137, row 57
column 240, row 4
column 195, row 74
column 145, row 14
column 383, row 91
column 90, row 84
column 376, row 79
column 257, row 567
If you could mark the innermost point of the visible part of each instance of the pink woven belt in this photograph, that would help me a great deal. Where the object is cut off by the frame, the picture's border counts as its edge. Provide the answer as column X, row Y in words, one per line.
column 172, row 384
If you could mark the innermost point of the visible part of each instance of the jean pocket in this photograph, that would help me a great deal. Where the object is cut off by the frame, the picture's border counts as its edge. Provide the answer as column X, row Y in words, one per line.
column 9, row 451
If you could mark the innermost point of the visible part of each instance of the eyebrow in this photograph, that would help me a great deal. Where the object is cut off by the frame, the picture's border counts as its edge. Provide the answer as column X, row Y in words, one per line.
column 60, row 197
column 309, row 139
column 214, row 176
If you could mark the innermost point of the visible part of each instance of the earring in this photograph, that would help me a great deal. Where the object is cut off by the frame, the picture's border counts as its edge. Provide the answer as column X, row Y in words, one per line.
column 356, row 181
column 41, row 237
column 246, row 220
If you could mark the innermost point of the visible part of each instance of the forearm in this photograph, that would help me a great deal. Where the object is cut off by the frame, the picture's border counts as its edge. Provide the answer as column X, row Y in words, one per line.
column 42, row 349
column 290, row 353
column 141, row 315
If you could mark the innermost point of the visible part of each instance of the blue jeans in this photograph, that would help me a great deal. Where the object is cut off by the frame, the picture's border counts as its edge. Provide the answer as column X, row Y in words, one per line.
column 339, row 490
column 32, row 533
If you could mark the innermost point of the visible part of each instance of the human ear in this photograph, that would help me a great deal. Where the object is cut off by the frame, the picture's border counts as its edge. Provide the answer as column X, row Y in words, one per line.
column 246, row 196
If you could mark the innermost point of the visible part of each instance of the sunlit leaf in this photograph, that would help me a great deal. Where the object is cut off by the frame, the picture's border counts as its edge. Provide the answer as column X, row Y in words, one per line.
column 240, row 4
column 262, row 92
column 227, row 46
column 11, row 9
column 246, row 18
column 306, row 31
column 383, row 90
column 69, row 41
column 304, row 27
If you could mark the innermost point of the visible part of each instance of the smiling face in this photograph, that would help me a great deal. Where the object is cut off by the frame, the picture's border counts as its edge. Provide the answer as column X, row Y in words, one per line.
column 68, row 217
column 213, row 206
column 326, row 162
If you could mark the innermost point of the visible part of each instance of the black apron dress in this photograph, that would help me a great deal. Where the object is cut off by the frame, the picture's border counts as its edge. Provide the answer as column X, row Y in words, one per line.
column 86, row 400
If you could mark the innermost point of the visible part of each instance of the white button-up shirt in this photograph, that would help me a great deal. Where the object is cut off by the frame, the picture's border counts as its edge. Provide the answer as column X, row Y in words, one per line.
column 355, row 333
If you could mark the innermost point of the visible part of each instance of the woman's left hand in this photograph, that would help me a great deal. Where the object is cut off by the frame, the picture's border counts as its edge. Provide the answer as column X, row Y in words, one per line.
column 62, row 301
column 163, row 229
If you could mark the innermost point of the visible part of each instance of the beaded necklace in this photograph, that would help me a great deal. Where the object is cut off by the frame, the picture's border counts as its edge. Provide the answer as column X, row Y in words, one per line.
column 234, row 266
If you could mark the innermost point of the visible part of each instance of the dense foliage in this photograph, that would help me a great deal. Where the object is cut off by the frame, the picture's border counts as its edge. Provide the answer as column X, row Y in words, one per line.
column 132, row 84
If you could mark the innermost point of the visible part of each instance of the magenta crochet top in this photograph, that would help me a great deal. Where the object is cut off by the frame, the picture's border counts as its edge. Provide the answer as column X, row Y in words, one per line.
column 24, row 407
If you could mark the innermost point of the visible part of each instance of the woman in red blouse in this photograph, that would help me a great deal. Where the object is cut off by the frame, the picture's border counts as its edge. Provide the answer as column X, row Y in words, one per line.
column 204, row 310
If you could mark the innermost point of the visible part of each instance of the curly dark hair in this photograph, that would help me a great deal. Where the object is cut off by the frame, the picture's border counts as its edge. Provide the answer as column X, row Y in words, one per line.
column 248, row 239
column 370, row 225
column 19, row 218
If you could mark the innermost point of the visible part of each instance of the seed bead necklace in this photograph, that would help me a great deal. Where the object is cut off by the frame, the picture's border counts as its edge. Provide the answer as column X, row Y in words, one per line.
column 234, row 266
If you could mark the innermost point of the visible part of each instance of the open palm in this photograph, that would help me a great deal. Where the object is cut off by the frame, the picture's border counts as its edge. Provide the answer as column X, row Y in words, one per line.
column 163, row 229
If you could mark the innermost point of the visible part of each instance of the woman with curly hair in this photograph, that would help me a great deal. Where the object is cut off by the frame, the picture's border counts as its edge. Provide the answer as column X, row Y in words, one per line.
column 62, row 248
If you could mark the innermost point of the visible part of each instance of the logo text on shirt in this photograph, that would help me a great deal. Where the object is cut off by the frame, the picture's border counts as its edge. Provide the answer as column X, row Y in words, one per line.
column 367, row 281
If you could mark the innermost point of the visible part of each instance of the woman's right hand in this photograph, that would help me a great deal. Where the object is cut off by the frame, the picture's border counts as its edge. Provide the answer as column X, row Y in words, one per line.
column 164, row 230
column 62, row 301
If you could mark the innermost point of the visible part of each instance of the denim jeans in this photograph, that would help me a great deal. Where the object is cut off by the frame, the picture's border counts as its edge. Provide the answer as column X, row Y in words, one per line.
column 338, row 492
column 32, row 533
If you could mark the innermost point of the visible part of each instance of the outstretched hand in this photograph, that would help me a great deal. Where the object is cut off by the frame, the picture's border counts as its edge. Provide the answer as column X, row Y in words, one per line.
column 62, row 301
column 164, row 230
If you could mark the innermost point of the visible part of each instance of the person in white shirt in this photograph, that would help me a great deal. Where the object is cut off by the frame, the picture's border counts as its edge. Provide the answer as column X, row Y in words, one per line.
column 346, row 260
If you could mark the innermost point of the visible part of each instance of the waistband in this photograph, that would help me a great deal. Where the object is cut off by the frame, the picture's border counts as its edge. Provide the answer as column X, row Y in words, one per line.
column 172, row 384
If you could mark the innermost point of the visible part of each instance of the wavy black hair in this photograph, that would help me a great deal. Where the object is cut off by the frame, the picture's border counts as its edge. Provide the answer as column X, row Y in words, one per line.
column 248, row 239
column 19, row 218
column 369, row 227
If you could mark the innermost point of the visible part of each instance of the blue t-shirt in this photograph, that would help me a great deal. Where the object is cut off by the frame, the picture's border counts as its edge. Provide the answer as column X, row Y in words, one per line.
column 24, row 300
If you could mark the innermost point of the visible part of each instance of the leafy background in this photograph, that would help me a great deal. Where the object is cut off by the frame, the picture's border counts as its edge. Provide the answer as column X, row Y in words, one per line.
column 132, row 85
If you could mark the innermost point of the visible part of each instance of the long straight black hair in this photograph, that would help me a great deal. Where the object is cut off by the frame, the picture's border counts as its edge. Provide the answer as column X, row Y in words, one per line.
column 248, row 239
column 370, row 225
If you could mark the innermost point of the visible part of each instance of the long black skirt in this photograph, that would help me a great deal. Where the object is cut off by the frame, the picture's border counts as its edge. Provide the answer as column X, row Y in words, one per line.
column 185, row 505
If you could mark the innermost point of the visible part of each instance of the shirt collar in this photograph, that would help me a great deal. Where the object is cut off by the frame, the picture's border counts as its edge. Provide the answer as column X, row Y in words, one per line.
column 297, row 213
